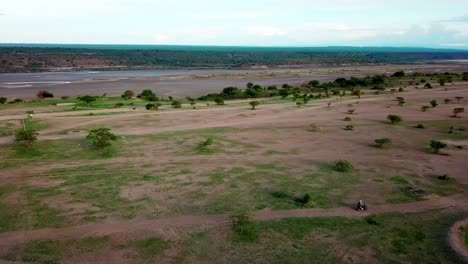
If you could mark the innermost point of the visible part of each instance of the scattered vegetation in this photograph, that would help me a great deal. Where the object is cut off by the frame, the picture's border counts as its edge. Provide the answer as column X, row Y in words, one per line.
column 436, row 145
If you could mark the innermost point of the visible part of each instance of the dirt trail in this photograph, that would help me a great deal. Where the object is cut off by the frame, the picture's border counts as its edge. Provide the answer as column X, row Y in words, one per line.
column 456, row 240
column 103, row 229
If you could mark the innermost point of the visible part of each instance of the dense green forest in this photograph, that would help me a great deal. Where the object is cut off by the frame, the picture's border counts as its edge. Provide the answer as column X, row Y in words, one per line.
column 84, row 57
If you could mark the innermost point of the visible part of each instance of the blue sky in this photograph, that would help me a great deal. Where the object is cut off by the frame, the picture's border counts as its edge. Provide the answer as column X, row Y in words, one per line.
column 428, row 23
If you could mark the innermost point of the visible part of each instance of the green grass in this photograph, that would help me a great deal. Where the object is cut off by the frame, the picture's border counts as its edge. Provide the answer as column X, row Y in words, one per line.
column 464, row 235
column 149, row 248
column 52, row 251
column 391, row 238
column 399, row 180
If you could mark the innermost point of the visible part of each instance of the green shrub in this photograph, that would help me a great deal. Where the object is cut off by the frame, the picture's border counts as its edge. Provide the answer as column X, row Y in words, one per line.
column 394, row 118
column 343, row 166
column 436, row 145
column 382, row 141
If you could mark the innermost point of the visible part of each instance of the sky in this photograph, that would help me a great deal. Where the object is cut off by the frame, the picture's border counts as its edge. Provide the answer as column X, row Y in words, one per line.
column 305, row 23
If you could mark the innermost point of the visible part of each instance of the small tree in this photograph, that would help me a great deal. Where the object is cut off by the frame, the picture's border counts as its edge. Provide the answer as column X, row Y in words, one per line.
column 459, row 98
column 203, row 146
column 219, row 101
column 148, row 95
column 3, row 100
column 394, row 119
column 26, row 136
column 424, row 108
column 382, row 141
column 433, row 103
column 436, row 146
column 87, row 99
column 343, row 166
column 428, row 86
column 128, row 94
column 101, row 138
column 401, row 102
column 254, row 104
column 176, row 104
column 457, row 111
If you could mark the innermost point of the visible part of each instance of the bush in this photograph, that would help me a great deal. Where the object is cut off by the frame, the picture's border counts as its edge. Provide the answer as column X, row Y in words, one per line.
column 176, row 104
column 343, row 166
column 148, row 95
column 152, row 106
column 420, row 126
column 3, row 100
column 347, row 118
column 280, row 195
column 44, row 94
column 394, row 118
column 457, row 111
column 428, row 86
column 436, row 145
column 382, row 141
column 244, row 227
column 203, row 146
column 219, row 101
column 434, row 103
column 424, row 108
column 118, row 105
column 128, row 94
column 444, row 177
column 303, row 200
column 351, row 111
column 349, row 127
column 26, row 136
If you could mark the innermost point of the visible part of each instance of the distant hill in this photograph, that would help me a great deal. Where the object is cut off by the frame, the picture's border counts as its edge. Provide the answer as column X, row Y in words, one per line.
column 75, row 57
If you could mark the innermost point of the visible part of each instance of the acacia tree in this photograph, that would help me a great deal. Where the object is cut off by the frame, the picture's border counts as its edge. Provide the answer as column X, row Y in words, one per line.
column 358, row 93
column 254, row 104
column 101, row 138
column 394, row 118
column 26, row 136
column 459, row 98
column 87, row 99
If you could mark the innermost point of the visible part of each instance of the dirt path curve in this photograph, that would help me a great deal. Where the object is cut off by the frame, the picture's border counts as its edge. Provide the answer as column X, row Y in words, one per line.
column 455, row 239
column 103, row 229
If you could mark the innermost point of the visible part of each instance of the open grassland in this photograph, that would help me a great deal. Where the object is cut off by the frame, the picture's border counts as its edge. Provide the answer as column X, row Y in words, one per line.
column 261, row 161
